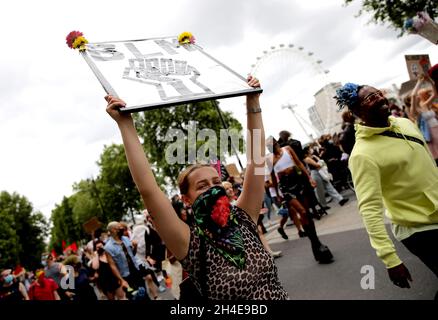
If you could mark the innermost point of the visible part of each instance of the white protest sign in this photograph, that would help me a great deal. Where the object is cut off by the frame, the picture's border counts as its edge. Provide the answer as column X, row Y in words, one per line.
column 161, row 72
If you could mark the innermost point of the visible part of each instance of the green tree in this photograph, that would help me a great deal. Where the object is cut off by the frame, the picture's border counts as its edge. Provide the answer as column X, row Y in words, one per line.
column 85, row 205
column 153, row 125
column 86, row 202
column 8, row 237
column 395, row 12
column 108, row 197
column 115, row 186
column 22, row 231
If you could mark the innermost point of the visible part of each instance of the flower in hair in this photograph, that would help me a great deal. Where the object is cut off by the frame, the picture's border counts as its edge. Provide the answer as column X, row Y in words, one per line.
column 186, row 38
column 347, row 95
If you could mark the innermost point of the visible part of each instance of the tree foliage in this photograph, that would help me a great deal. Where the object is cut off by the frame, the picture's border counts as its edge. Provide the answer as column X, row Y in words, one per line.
column 64, row 224
column 22, row 232
column 395, row 12
column 115, row 186
column 154, row 124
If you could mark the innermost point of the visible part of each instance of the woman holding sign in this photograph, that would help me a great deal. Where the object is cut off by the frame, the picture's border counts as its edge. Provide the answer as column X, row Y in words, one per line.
column 220, row 250
column 423, row 109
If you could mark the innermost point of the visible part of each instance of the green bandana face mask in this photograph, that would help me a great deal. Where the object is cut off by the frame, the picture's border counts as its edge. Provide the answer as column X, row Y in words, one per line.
column 216, row 223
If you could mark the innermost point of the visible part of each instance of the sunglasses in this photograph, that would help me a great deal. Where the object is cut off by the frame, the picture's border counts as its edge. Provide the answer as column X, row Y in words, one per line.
column 370, row 97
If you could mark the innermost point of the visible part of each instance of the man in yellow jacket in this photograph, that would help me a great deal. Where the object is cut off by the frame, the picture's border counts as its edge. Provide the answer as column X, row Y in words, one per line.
column 392, row 167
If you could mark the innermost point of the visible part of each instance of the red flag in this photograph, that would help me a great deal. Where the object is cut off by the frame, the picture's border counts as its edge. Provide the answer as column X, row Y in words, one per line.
column 53, row 253
column 74, row 247
column 63, row 245
column 217, row 165
column 18, row 269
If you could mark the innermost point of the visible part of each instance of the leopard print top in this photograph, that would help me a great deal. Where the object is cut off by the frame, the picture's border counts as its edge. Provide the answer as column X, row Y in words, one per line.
column 258, row 280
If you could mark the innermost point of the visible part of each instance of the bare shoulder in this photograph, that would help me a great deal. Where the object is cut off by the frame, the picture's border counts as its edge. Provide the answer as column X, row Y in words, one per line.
column 291, row 151
column 288, row 148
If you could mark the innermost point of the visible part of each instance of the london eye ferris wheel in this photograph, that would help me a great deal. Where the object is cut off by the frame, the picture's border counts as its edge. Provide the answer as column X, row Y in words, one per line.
column 291, row 76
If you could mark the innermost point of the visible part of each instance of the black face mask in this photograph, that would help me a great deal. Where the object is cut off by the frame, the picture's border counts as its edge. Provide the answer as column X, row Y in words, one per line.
column 204, row 203
column 100, row 251
column 226, row 239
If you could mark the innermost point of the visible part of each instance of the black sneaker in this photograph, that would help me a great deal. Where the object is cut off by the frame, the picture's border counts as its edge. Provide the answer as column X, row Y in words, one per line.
column 323, row 255
column 343, row 201
column 283, row 234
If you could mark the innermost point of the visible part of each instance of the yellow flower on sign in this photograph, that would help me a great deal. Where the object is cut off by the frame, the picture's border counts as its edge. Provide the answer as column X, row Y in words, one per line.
column 79, row 43
column 186, row 38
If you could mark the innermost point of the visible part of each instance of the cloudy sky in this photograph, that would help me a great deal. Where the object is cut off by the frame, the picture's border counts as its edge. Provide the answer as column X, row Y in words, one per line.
column 53, row 124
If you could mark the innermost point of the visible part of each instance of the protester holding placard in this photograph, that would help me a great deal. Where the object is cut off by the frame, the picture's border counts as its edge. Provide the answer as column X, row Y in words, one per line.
column 221, row 250
column 423, row 109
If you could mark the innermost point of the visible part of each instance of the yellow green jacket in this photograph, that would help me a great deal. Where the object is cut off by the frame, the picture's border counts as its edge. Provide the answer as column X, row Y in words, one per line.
column 397, row 174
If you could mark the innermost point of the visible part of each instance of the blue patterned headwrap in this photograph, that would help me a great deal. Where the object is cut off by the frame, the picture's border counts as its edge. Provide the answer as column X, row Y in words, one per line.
column 347, row 95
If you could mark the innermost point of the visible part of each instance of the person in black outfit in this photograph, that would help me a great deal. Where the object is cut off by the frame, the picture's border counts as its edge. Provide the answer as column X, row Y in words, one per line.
column 288, row 178
column 105, row 281
column 285, row 139
column 309, row 201
column 332, row 155
column 155, row 248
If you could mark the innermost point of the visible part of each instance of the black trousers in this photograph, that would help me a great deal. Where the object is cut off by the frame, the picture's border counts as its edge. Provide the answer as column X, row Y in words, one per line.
column 424, row 246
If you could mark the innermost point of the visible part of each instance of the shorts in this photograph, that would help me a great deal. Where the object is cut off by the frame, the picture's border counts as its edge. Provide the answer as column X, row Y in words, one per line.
column 291, row 186
column 283, row 212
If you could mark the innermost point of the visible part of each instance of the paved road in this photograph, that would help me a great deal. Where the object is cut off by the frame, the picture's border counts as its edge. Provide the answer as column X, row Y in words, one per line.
column 342, row 230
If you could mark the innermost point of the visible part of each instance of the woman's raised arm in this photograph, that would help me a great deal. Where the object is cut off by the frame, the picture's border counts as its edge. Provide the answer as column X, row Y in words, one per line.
column 251, row 199
column 174, row 232
column 414, row 100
